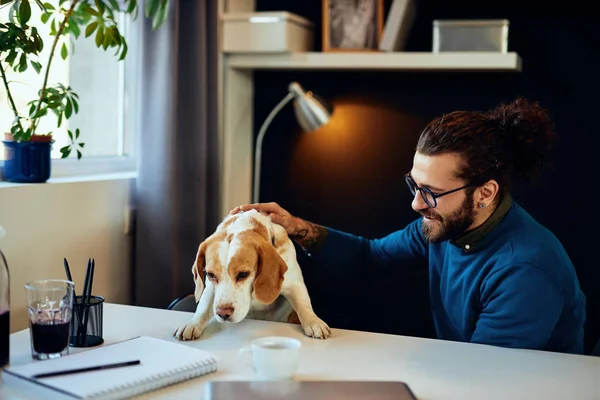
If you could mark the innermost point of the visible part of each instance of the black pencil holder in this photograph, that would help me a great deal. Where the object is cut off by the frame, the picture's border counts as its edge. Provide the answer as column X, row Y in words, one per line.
column 86, row 323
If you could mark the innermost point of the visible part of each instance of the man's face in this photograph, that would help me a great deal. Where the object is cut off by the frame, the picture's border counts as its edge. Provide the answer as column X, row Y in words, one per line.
column 455, row 213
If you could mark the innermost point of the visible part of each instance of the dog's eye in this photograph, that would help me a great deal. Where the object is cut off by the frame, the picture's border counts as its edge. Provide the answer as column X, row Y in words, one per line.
column 242, row 275
column 211, row 276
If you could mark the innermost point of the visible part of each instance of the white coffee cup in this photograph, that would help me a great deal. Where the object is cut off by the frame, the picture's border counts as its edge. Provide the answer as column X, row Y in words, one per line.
column 274, row 357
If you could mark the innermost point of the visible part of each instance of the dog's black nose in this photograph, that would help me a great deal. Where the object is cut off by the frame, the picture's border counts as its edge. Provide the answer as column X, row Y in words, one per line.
column 225, row 312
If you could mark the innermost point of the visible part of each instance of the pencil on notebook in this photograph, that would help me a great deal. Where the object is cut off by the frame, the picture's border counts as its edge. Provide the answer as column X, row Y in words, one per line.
column 86, row 369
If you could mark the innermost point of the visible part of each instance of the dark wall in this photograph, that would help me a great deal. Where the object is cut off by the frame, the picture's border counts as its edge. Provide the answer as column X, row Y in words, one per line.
column 349, row 175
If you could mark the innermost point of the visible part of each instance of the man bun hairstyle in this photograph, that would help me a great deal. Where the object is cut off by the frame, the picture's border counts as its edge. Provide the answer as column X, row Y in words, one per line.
column 509, row 141
column 529, row 136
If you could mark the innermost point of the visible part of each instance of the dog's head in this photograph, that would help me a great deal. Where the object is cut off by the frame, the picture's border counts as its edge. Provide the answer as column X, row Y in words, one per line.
column 239, row 261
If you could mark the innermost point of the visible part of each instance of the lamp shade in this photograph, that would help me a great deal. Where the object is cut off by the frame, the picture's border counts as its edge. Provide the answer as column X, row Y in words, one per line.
column 311, row 111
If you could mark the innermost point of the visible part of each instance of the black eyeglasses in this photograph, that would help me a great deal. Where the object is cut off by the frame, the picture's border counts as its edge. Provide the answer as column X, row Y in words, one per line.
column 428, row 196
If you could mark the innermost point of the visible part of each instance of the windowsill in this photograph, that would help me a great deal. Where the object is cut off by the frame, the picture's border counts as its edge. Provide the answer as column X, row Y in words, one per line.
column 77, row 179
column 86, row 170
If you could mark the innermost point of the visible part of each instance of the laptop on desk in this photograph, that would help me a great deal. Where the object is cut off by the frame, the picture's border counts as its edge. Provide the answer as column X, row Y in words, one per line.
column 302, row 390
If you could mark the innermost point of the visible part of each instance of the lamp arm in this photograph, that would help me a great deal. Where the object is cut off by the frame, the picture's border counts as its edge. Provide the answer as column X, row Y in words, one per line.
column 259, row 142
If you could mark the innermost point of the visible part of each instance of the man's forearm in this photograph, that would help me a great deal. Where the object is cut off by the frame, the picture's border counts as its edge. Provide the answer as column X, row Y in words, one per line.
column 310, row 236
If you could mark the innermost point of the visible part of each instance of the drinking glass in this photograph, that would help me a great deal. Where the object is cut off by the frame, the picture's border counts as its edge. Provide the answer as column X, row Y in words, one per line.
column 50, row 306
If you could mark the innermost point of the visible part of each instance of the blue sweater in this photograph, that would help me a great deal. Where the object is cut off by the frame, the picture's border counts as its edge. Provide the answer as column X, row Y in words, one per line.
column 516, row 288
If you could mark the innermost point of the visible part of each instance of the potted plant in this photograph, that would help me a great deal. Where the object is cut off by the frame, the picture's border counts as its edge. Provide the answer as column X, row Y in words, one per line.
column 27, row 151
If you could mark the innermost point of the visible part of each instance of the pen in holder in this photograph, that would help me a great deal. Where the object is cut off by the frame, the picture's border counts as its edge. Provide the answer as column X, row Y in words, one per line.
column 86, row 319
column 86, row 322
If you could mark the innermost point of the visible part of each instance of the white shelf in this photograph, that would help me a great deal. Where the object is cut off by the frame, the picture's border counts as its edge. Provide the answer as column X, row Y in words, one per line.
column 399, row 61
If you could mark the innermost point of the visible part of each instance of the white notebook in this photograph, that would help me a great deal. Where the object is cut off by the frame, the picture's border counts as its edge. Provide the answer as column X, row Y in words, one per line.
column 162, row 363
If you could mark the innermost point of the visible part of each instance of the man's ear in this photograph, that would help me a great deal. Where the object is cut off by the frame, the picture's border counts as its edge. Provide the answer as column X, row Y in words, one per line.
column 271, row 269
column 198, row 271
column 487, row 192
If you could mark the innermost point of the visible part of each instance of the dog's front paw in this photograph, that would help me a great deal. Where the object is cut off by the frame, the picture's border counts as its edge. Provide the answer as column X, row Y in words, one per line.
column 315, row 327
column 189, row 331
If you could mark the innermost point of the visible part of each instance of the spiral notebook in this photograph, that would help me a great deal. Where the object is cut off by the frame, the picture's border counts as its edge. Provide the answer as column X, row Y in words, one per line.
column 162, row 363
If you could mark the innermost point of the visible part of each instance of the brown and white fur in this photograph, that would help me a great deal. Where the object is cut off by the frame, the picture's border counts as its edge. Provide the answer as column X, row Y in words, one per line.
column 251, row 272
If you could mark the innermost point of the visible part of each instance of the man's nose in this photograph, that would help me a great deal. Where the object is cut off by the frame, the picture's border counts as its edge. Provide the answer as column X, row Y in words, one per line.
column 418, row 203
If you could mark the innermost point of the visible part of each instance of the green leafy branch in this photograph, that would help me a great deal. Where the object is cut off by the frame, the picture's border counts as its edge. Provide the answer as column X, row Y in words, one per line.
column 20, row 43
column 75, row 144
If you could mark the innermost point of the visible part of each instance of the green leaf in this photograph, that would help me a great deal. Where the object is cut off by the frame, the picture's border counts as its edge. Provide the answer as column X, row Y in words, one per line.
column 24, row 12
column 91, row 11
column 40, row 113
column 116, row 35
column 82, row 145
column 115, row 5
column 37, row 66
column 45, row 17
column 78, row 154
column 68, row 109
column 133, row 9
column 65, row 151
column 151, row 7
column 74, row 28
column 100, row 6
column 77, row 133
column 99, row 36
column 53, row 104
column 39, row 43
column 60, row 118
column 75, row 104
column 124, row 52
column 23, row 63
column 107, row 38
column 11, row 57
column 161, row 15
column 49, row 7
column 91, row 28
column 70, row 135
column 63, row 51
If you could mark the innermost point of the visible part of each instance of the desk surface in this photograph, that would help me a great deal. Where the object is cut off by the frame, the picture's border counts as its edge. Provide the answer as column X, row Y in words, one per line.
column 434, row 369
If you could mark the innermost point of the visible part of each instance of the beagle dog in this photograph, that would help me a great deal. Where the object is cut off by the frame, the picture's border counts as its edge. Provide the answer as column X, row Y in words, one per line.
column 248, row 268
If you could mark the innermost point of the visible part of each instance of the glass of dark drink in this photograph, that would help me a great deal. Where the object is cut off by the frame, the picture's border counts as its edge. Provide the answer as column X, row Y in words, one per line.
column 50, row 307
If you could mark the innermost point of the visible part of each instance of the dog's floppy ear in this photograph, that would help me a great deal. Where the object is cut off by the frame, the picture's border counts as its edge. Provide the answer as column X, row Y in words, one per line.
column 271, row 269
column 198, row 271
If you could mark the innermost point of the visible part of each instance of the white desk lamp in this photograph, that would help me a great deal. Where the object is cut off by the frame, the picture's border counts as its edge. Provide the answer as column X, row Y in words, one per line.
column 311, row 113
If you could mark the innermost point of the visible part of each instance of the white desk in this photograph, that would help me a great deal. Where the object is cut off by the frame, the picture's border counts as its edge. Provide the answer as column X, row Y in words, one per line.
column 433, row 369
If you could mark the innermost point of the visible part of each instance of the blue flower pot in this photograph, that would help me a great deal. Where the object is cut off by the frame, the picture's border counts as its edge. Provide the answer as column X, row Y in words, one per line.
column 27, row 162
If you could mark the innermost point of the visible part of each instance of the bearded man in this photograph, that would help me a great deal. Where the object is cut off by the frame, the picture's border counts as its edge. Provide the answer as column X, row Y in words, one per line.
column 496, row 275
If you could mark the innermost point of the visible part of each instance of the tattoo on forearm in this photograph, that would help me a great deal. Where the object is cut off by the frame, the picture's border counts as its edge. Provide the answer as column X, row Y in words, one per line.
column 309, row 237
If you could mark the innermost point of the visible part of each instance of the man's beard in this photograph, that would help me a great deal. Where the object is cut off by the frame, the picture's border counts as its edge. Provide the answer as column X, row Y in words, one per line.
column 451, row 226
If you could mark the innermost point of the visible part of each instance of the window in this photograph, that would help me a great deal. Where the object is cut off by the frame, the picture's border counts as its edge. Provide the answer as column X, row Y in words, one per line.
column 106, row 117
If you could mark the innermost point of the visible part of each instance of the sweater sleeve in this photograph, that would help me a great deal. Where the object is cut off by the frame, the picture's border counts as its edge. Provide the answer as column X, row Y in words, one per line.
column 354, row 254
column 520, row 307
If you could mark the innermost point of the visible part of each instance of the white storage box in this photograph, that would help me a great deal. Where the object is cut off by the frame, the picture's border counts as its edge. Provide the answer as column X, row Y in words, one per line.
column 470, row 35
column 266, row 32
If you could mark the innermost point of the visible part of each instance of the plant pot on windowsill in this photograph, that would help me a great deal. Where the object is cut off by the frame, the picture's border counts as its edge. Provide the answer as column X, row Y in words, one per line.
column 27, row 161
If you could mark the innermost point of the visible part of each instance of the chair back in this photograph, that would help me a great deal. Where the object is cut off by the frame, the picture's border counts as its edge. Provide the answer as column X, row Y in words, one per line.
column 184, row 303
